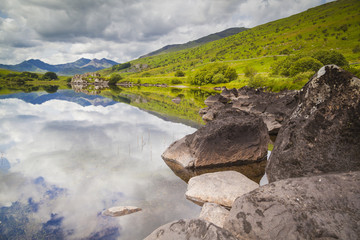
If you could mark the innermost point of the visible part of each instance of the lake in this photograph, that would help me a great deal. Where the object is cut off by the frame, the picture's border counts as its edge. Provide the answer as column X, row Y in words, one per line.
column 66, row 157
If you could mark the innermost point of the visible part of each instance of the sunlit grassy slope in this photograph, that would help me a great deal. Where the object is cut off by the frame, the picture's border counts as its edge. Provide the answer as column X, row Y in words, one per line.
column 332, row 26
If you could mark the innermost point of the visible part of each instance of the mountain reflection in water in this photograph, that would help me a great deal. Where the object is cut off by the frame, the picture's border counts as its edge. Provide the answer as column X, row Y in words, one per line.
column 65, row 161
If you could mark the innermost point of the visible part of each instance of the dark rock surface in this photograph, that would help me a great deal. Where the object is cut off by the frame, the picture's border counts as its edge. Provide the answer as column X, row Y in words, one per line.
column 323, row 133
column 273, row 108
column 318, row 207
column 194, row 229
column 235, row 138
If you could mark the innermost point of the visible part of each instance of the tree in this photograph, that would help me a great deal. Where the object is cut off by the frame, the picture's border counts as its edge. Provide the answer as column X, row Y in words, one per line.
column 50, row 76
column 331, row 57
column 114, row 79
column 213, row 73
column 305, row 64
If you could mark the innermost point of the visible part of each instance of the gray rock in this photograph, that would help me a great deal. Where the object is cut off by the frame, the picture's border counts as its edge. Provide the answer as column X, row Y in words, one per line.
column 233, row 139
column 273, row 108
column 214, row 213
column 194, row 229
column 217, row 98
column 120, row 211
column 220, row 187
column 318, row 207
column 323, row 133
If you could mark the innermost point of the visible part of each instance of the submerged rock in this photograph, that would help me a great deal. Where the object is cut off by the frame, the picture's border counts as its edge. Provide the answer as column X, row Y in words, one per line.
column 323, row 133
column 234, row 139
column 121, row 211
column 220, row 187
column 214, row 213
column 318, row 207
column 194, row 229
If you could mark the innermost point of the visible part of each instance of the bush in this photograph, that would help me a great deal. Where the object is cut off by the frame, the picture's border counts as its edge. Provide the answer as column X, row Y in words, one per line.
column 331, row 57
column 256, row 82
column 176, row 81
column 179, row 73
column 250, row 72
column 50, row 76
column 211, row 73
column 219, row 78
column 114, row 79
column 304, row 64
column 356, row 49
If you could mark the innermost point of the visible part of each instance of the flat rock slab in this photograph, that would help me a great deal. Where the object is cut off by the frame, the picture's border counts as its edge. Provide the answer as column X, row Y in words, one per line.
column 221, row 187
column 318, row 207
column 121, row 211
column 322, row 135
column 194, row 229
column 214, row 213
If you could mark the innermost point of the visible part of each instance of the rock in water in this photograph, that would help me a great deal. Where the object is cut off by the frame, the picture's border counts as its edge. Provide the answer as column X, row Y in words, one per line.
column 323, row 133
column 318, row 207
column 120, row 211
column 214, row 213
column 234, row 138
column 220, row 187
column 194, row 229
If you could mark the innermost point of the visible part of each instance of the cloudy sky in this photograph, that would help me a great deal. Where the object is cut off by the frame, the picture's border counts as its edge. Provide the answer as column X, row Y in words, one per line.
column 59, row 31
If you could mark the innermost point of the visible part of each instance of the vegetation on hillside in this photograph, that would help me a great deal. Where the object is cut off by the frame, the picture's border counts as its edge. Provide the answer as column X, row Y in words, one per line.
column 332, row 26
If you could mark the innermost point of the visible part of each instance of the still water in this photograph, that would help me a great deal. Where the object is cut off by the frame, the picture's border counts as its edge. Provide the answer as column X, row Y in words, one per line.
column 66, row 157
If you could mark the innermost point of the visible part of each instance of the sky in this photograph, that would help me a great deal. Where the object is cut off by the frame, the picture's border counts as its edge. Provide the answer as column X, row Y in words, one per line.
column 60, row 31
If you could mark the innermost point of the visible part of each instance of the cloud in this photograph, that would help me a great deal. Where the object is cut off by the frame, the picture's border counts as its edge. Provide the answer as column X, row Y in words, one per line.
column 124, row 29
column 90, row 158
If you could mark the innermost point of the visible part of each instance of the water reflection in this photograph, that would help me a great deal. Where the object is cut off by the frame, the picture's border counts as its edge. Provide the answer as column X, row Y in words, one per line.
column 62, row 164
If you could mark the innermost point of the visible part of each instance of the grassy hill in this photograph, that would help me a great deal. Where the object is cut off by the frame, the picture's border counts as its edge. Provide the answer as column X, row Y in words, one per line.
column 332, row 26
column 197, row 42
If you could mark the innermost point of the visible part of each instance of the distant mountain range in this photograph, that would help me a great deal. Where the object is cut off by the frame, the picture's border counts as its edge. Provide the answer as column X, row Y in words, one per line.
column 78, row 67
column 66, row 95
column 198, row 42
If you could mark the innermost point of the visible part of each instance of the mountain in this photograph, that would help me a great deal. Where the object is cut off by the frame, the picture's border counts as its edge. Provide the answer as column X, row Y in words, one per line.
column 198, row 42
column 78, row 67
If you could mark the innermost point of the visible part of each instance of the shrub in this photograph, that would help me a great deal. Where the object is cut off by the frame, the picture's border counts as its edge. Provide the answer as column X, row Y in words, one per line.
column 331, row 57
column 250, row 71
column 114, row 79
column 211, row 73
column 50, row 76
column 219, row 78
column 176, row 81
column 356, row 49
column 256, row 82
column 305, row 64
column 179, row 73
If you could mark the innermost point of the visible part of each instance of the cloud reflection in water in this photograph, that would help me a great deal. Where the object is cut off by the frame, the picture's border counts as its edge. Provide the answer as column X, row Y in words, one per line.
column 68, row 163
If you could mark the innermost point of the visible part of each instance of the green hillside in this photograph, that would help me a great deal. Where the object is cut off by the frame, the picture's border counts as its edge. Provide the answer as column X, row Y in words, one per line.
column 196, row 43
column 332, row 26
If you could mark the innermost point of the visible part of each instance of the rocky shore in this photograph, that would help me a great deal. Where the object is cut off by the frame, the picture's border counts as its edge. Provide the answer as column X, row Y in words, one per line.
column 313, row 170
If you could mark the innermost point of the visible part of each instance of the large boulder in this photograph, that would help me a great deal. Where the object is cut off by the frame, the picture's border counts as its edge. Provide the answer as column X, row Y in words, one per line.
column 235, row 138
column 272, row 107
column 318, row 207
column 194, row 229
column 220, row 187
column 323, row 133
